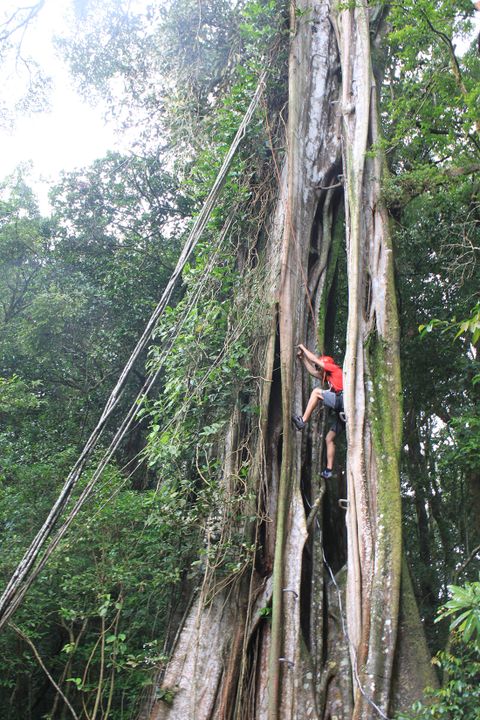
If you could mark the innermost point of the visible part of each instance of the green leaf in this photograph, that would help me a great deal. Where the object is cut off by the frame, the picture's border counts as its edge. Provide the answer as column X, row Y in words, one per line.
column 78, row 682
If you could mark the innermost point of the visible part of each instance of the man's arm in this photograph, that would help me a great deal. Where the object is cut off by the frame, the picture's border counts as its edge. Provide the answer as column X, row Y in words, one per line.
column 313, row 358
column 311, row 362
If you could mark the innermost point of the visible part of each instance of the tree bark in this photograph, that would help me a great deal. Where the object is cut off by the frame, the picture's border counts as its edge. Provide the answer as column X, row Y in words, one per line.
column 302, row 663
column 372, row 382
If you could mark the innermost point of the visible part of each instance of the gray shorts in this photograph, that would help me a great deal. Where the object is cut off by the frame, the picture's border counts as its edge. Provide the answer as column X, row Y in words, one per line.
column 334, row 402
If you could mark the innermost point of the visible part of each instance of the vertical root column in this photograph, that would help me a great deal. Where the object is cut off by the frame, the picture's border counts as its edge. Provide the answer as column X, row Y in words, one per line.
column 372, row 389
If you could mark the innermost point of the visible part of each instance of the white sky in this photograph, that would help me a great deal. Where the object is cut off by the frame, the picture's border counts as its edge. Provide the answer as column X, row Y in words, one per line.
column 70, row 133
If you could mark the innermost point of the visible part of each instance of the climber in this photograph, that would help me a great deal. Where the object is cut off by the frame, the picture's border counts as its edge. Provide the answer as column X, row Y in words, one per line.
column 324, row 368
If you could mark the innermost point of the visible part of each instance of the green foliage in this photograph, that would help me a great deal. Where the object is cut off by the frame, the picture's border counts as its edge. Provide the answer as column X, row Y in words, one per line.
column 432, row 95
column 69, row 316
column 465, row 603
column 469, row 326
column 166, row 694
column 106, row 595
column 16, row 396
column 431, row 144
column 204, row 372
column 464, row 452
column 199, row 357
column 177, row 61
column 459, row 697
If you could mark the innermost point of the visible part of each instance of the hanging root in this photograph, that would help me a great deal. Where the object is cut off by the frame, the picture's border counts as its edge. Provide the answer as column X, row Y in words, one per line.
column 26, row 572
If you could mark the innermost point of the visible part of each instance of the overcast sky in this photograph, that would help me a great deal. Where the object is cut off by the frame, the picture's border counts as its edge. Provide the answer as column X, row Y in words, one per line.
column 70, row 133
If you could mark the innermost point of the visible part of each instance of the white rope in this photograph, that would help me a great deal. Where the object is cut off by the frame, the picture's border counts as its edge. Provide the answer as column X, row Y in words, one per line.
column 350, row 644
column 26, row 571
column 345, row 631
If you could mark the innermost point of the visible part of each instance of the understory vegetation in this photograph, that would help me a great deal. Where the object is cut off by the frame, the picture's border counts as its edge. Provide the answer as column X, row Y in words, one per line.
column 78, row 285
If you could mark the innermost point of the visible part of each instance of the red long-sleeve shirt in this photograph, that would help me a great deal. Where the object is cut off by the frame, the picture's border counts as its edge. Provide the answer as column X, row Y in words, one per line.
column 333, row 372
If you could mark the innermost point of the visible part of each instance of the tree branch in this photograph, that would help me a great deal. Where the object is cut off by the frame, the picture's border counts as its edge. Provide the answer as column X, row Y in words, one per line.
column 455, row 66
column 402, row 190
column 475, row 551
column 42, row 665
column 32, row 10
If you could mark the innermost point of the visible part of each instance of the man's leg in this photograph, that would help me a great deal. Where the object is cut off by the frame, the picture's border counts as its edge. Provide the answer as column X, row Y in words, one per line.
column 337, row 427
column 315, row 398
column 330, row 443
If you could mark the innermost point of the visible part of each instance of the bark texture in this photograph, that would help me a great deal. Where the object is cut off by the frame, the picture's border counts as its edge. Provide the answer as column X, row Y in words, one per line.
column 372, row 382
column 236, row 658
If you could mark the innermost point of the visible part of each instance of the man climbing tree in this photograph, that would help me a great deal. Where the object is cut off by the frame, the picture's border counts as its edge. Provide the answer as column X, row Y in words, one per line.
column 324, row 368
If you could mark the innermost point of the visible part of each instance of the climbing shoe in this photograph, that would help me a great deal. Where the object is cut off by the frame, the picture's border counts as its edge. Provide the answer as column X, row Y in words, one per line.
column 326, row 474
column 299, row 422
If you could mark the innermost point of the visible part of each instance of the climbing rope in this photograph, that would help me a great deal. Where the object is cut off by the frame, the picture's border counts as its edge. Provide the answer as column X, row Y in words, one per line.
column 351, row 646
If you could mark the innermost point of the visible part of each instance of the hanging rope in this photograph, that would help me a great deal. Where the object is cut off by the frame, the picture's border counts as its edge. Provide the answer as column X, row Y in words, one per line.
column 26, row 572
column 350, row 644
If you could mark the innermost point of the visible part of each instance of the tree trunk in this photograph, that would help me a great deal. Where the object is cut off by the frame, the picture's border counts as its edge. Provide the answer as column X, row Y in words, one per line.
column 372, row 383
column 232, row 659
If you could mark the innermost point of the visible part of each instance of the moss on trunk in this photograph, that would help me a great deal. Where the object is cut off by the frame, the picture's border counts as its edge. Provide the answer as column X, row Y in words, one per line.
column 290, row 663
